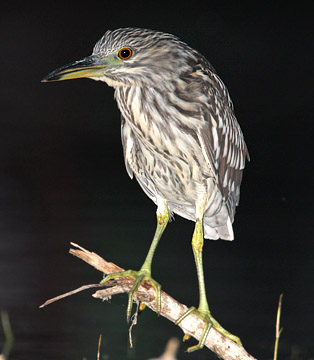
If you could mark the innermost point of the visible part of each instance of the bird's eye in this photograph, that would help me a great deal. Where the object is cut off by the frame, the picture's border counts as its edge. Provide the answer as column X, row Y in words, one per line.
column 125, row 53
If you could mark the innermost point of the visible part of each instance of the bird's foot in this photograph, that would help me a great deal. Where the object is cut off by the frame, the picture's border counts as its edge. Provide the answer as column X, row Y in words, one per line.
column 139, row 277
column 209, row 322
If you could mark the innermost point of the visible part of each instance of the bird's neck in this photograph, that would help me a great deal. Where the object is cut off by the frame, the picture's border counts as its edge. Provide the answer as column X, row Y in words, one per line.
column 109, row 81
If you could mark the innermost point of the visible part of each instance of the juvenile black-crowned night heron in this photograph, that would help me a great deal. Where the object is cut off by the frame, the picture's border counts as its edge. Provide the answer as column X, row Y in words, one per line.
column 180, row 139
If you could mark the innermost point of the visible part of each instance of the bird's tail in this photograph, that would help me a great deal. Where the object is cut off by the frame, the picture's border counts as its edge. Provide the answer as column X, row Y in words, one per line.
column 224, row 232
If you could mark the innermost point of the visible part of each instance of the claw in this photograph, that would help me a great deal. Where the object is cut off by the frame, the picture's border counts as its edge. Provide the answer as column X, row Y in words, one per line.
column 185, row 314
column 139, row 277
column 209, row 322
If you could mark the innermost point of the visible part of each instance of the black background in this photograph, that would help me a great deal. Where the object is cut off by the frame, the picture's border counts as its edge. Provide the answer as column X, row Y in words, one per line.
column 62, row 179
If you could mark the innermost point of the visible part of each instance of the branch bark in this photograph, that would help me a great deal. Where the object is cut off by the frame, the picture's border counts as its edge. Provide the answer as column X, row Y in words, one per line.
column 170, row 308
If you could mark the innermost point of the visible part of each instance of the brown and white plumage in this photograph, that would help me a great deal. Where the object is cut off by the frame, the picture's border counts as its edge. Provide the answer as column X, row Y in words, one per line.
column 180, row 136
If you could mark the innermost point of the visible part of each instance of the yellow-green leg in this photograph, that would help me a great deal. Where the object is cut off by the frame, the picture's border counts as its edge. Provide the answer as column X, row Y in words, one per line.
column 203, row 310
column 144, row 274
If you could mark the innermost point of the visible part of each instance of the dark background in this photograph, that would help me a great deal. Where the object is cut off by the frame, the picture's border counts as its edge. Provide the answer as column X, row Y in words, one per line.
column 62, row 179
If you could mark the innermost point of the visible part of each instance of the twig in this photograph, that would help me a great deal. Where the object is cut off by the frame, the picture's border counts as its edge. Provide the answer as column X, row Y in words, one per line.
column 170, row 308
column 8, row 334
column 133, row 323
column 59, row 297
column 99, row 343
column 278, row 330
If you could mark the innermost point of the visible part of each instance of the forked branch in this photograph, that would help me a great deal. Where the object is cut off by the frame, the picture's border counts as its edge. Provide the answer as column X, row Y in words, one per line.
column 170, row 308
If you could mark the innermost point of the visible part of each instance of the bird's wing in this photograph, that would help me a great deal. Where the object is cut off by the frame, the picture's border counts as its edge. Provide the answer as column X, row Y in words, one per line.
column 222, row 141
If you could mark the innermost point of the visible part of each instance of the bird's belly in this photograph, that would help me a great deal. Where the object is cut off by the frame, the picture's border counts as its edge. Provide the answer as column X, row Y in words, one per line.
column 176, row 177
column 167, row 159
column 169, row 183
column 173, row 178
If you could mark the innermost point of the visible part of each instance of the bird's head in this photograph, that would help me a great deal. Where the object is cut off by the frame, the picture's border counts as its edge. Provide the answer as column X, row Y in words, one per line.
column 131, row 56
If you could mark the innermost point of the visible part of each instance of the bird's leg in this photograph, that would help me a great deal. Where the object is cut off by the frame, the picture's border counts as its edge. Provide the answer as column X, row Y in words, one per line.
column 144, row 274
column 203, row 310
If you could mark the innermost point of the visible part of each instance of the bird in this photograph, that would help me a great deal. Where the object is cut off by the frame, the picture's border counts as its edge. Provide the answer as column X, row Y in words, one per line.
column 181, row 142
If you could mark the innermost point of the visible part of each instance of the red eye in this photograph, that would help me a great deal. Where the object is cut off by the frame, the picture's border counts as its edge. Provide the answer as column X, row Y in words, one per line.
column 125, row 53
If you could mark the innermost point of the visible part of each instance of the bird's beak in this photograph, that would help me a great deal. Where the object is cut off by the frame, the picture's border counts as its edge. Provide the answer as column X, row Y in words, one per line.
column 90, row 67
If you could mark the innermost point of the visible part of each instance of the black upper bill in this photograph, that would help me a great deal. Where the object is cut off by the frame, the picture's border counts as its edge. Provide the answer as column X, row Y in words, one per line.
column 82, row 68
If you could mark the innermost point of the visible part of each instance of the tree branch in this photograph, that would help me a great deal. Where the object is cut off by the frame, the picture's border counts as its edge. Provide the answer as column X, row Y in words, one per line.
column 170, row 308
